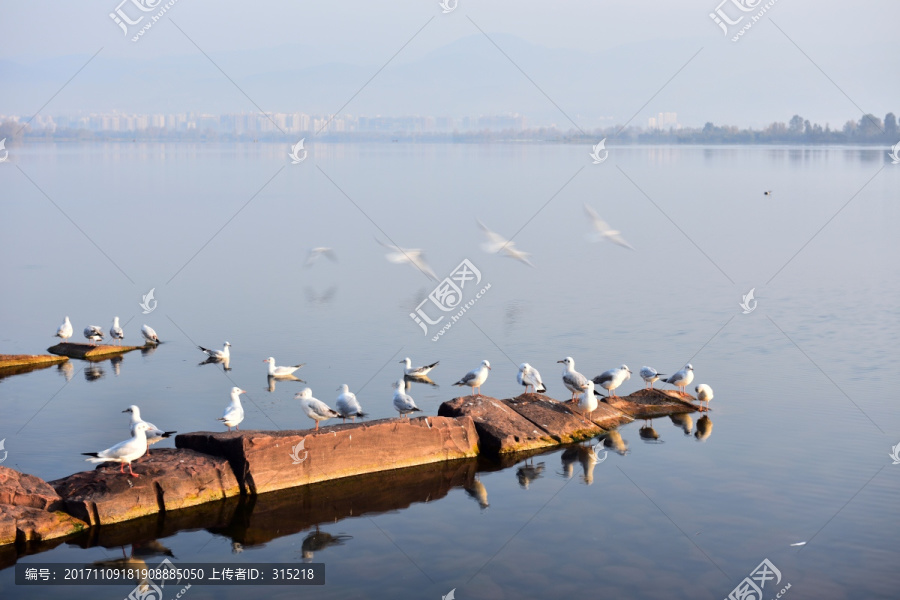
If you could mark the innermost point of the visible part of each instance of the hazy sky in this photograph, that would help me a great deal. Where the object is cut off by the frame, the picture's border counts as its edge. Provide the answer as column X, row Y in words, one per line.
column 598, row 61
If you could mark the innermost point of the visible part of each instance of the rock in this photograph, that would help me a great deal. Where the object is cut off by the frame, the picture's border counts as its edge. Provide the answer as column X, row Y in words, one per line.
column 560, row 420
column 21, row 489
column 28, row 524
column 74, row 350
column 651, row 403
column 500, row 428
column 169, row 479
column 15, row 364
column 273, row 460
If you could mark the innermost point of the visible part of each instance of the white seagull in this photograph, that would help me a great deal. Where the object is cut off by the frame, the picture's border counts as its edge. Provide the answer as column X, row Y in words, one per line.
column 234, row 412
column 602, row 230
column 412, row 371
column 280, row 371
column 704, row 394
column 682, row 378
column 149, row 334
column 650, row 375
column 154, row 433
column 223, row 354
column 314, row 408
column 574, row 381
column 347, row 404
column 529, row 376
column 64, row 332
column 413, row 256
column 497, row 244
column 587, row 402
column 123, row 452
column 610, row 380
column 115, row 332
column 315, row 253
column 94, row 333
column 403, row 402
column 476, row 377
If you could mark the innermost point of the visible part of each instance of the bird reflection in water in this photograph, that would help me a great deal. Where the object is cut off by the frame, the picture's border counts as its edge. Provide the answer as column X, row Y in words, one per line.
column 528, row 473
column 214, row 360
column 684, row 421
column 476, row 490
column 647, row 433
column 93, row 372
column 410, row 379
column 704, row 428
column 323, row 299
column 150, row 548
column 148, row 349
column 587, row 456
column 67, row 369
column 270, row 379
column 319, row 540
column 614, row 440
column 116, row 362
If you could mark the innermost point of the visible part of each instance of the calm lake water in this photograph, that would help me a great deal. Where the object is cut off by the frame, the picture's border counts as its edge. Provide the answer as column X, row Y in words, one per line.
column 804, row 416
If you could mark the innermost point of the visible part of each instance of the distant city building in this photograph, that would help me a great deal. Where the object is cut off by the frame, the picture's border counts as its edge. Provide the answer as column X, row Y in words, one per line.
column 668, row 120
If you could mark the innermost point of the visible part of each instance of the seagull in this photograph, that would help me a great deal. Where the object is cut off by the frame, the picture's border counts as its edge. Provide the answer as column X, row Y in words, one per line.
column 123, row 452
column 704, row 394
column 115, row 332
column 234, row 412
column 280, row 371
column 475, row 377
column 649, row 375
column 412, row 256
column 154, row 434
column 347, row 404
column 529, row 376
column 93, row 333
column 314, row 408
column 587, row 402
column 572, row 379
column 408, row 369
column 602, row 230
column 497, row 244
column 65, row 330
column 610, row 380
column 682, row 378
column 403, row 402
column 223, row 354
column 149, row 334
column 315, row 253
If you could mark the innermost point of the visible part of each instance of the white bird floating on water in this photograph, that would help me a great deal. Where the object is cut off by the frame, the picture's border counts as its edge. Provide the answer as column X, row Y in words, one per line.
column 115, row 332
column 413, row 256
column 123, row 452
column 315, row 253
column 347, row 404
column 497, row 244
column 704, row 394
column 574, row 381
column 683, row 378
column 314, row 408
column 223, row 354
column 234, row 412
column 403, row 402
column 280, row 371
column 154, row 434
column 529, row 377
column 149, row 334
column 602, row 230
column 610, row 380
column 476, row 377
column 65, row 331
column 587, row 402
column 94, row 333
column 412, row 371
column 650, row 375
